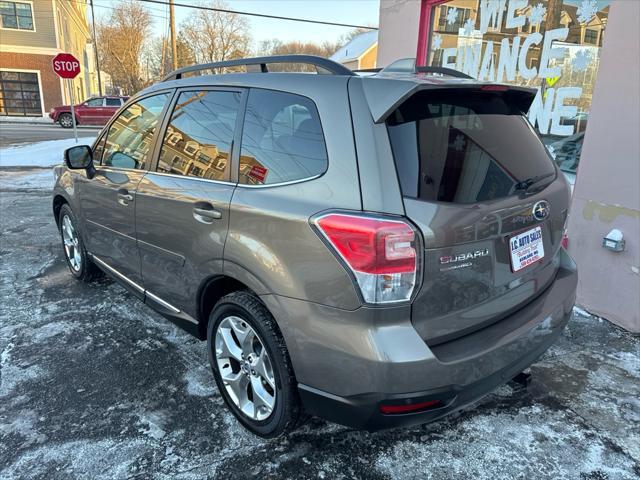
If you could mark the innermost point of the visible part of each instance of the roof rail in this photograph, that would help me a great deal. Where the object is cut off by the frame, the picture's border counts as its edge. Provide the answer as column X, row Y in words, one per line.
column 408, row 65
column 323, row 63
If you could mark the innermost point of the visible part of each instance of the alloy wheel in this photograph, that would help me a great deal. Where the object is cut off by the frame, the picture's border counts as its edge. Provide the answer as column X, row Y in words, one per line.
column 66, row 121
column 71, row 243
column 245, row 367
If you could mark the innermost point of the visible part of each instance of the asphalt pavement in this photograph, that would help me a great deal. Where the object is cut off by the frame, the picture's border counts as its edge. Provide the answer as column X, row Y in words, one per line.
column 94, row 384
column 20, row 133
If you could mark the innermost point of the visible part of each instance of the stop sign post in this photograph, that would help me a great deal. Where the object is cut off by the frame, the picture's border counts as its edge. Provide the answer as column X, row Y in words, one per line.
column 67, row 66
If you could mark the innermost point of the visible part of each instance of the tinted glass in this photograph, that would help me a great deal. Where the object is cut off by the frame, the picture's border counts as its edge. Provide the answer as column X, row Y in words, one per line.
column 113, row 102
column 94, row 102
column 282, row 139
column 130, row 136
column 464, row 148
column 198, row 139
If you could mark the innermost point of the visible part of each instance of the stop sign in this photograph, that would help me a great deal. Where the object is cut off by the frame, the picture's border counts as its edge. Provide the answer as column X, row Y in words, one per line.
column 66, row 65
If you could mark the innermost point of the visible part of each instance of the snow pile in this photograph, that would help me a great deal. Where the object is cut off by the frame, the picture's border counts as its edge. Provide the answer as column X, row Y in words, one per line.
column 39, row 154
column 40, row 179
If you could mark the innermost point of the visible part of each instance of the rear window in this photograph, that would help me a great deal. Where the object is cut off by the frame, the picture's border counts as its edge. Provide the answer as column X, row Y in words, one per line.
column 464, row 147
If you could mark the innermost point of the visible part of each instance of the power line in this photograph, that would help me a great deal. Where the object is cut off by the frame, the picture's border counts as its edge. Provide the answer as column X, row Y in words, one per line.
column 262, row 15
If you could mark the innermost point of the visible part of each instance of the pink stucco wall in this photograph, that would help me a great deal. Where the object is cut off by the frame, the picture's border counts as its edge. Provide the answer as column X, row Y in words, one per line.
column 398, row 35
column 607, row 190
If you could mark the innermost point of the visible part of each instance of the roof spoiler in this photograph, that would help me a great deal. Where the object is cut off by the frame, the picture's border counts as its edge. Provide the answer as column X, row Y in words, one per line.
column 384, row 95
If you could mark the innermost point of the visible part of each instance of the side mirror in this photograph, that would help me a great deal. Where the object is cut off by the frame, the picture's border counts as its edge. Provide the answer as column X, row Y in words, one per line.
column 78, row 157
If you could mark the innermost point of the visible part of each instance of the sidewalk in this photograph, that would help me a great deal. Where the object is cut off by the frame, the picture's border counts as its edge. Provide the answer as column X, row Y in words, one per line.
column 27, row 120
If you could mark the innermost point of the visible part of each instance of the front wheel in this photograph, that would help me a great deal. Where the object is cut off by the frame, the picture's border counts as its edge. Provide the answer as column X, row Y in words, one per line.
column 75, row 254
column 251, row 365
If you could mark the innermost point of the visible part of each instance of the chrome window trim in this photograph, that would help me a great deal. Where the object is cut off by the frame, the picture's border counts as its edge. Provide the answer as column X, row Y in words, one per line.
column 197, row 179
column 280, row 184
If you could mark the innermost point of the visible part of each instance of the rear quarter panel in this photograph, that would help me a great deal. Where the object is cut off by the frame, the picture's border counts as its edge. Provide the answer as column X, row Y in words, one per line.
column 270, row 243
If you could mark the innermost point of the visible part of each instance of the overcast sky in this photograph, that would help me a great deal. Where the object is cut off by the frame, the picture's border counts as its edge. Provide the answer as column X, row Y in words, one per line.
column 360, row 12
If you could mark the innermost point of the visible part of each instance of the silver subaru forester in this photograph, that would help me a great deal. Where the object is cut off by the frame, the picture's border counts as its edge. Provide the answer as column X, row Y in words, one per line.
column 376, row 249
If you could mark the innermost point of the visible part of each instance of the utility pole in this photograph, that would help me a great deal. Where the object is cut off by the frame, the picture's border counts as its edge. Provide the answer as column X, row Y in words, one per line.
column 95, row 48
column 174, row 50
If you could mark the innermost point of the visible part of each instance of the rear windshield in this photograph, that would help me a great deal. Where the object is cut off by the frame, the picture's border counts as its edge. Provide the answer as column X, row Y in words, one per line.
column 464, row 147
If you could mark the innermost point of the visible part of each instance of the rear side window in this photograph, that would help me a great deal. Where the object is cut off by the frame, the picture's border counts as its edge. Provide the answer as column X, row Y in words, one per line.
column 464, row 147
column 282, row 139
column 198, row 139
column 113, row 102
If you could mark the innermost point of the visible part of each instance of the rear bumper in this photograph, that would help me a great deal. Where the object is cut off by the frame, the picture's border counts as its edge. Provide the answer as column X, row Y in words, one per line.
column 363, row 411
column 349, row 363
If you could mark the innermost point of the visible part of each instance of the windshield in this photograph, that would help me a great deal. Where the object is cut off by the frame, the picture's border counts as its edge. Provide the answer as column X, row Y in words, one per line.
column 464, row 147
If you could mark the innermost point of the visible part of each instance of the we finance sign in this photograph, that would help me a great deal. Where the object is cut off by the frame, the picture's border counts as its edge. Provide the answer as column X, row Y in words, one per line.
column 512, row 54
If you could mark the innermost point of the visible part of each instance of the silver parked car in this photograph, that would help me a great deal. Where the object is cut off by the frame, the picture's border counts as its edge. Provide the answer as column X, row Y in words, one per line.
column 378, row 251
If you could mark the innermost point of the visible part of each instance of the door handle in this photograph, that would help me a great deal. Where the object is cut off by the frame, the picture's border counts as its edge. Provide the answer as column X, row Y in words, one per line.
column 205, row 213
column 124, row 197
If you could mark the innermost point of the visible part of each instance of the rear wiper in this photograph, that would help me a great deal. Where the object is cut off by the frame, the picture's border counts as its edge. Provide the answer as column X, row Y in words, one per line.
column 529, row 182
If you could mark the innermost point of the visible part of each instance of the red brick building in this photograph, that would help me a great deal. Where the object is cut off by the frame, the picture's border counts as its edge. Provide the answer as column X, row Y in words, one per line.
column 31, row 34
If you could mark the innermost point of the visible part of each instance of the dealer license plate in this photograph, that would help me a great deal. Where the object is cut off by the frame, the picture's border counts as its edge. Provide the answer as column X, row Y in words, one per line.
column 526, row 248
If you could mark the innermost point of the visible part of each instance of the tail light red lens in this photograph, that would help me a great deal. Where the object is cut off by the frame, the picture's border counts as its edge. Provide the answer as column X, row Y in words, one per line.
column 380, row 252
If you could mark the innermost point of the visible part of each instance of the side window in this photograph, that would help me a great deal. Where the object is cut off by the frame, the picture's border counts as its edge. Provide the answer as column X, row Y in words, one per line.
column 113, row 102
column 129, row 137
column 198, row 139
column 94, row 102
column 282, row 139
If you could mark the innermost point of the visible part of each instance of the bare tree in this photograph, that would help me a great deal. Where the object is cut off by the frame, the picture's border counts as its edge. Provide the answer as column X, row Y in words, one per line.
column 158, row 60
column 277, row 47
column 215, row 36
column 121, row 38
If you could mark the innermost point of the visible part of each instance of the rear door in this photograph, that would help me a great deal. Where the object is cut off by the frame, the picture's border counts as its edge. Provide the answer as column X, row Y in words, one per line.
column 182, row 212
column 464, row 160
column 111, row 106
column 108, row 200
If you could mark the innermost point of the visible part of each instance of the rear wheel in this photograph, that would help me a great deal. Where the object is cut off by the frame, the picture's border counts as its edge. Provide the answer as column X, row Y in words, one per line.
column 65, row 120
column 75, row 254
column 251, row 365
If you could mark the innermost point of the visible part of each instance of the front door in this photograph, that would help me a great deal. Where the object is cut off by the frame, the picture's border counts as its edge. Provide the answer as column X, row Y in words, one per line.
column 182, row 214
column 89, row 112
column 108, row 199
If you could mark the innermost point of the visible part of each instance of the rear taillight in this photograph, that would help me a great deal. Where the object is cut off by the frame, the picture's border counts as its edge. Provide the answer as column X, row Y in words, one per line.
column 381, row 253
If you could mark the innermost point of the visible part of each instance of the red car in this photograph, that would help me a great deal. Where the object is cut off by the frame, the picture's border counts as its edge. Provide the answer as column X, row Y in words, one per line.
column 95, row 111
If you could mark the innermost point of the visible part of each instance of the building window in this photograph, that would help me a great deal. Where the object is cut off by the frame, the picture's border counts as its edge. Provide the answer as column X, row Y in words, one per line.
column 591, row 36
column 16, row 15
column 461, row 16
column 485, row 54
column 20, row 94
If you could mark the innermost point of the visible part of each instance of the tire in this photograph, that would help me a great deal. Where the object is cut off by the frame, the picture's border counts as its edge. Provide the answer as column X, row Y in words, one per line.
column 75, row 254
column 66, row 120
column 249, row 311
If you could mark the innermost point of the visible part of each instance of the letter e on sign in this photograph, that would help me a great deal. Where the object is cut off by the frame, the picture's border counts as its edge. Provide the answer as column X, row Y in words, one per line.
column 66, row 65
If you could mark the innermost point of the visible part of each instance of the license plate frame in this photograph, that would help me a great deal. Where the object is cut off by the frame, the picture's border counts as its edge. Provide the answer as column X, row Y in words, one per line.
column 526, row 248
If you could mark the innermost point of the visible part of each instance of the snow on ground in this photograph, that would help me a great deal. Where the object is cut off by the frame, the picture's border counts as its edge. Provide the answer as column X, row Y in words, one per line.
column 39, row 154
column 32, row 179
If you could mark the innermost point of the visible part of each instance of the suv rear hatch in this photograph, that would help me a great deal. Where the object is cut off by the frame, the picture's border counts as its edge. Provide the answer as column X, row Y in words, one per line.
column 488, row 199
